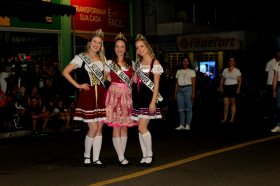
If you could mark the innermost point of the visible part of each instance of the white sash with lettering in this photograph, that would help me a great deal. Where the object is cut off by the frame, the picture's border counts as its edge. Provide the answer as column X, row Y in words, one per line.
column 119, row 72
column 93, row 67
column 146, row 80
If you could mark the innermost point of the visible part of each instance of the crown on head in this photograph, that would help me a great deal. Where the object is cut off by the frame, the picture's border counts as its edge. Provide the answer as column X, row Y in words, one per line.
column 98, row 33
column 140, row 37
column 120, row 36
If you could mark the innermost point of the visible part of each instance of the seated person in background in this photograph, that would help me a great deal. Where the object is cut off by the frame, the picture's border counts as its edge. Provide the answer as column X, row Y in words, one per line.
column 64, row 113
column 59, row 112
column 3, row 109
column 3, row 98
column 18, row 104
column 38, row 112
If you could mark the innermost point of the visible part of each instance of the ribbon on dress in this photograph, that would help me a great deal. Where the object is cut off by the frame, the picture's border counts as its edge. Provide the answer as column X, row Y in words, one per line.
column 146, row 80
column 93, row 67
column 119, row 72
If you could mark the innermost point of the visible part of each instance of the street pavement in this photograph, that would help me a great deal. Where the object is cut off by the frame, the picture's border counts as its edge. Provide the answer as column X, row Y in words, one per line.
column 245, row 153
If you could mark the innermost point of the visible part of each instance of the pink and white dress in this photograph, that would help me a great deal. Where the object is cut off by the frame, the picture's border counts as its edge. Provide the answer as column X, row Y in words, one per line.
column 118, row 101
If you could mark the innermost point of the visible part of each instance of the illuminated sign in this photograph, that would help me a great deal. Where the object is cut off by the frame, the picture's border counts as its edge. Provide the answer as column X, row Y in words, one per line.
column 111, row 16
column 213, row 41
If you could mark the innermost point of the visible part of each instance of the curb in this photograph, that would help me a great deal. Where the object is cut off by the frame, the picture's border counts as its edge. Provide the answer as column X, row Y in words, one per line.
column 14, row 134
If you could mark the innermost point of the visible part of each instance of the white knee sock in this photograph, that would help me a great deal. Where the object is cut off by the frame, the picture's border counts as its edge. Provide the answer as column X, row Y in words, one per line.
column 88, row 145
column 123, row 141
column 143, row 148
column 118, row 147
column 147, row 139
column 97, row 143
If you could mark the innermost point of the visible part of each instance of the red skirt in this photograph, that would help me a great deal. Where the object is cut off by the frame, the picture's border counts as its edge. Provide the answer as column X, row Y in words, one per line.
column 90, row 105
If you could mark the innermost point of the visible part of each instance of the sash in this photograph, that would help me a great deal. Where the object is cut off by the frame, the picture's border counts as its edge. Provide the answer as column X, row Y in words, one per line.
column 93, row 67
column 119, row 72
column 146, row 80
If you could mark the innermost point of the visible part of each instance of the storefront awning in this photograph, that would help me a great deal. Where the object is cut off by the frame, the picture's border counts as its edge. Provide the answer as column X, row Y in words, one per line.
column 17, row 8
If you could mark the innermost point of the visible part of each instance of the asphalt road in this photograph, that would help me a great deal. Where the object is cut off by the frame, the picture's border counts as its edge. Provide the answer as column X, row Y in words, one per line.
column 211, row 154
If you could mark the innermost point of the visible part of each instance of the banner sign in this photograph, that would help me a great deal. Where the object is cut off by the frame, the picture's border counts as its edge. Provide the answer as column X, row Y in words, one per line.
column 112, row 17
column 212, row 41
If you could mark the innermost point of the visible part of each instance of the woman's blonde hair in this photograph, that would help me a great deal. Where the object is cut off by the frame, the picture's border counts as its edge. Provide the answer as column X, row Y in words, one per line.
column 101, row 53
column 141, row 37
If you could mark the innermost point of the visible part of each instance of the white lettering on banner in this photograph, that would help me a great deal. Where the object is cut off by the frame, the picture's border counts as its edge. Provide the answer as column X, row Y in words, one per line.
column 90, row 10
column 93, row 67
column 146, row 80
column 90, row 18
column 119, row 72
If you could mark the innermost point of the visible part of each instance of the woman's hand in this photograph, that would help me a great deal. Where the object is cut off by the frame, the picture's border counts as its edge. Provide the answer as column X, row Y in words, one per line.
column 84, row 86
column 152, row 108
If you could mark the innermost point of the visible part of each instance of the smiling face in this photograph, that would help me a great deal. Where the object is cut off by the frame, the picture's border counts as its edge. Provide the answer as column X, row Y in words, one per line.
column 186, row 63
column 95, row 44
column 141, row 48
column 120, row 48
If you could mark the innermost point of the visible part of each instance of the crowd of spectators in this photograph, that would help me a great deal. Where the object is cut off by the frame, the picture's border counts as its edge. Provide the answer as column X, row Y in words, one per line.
column 35, row 97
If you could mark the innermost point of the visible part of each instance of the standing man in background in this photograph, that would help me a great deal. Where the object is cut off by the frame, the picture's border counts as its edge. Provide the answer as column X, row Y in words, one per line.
column 270, row 103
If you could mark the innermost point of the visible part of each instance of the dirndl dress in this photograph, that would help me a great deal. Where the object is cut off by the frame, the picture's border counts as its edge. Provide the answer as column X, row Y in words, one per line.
column 118, row 102
column 142, row 95
column 90, row 105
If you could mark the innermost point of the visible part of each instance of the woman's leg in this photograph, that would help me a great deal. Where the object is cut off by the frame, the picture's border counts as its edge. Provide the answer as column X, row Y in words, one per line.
column 97, row 143
column 124, row 138
column 226, row 108
column 118, row 144
column 143, row 149
column 233, row 109
column 181, row 109
column 89, row 139
column 188, row 107
column 147, row 139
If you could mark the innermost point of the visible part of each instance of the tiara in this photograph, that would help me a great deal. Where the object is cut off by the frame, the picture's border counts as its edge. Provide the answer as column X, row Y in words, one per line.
column 98, row 33
column 140, row 37
column 120, row 36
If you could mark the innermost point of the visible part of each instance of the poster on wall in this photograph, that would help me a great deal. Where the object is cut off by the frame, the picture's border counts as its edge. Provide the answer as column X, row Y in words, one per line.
column 112, row 17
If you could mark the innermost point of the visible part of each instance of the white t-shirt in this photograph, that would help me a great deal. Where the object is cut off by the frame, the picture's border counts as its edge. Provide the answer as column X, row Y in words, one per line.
column 231, row 78
column 277, row 68
column 270, row 70
column 185, row 76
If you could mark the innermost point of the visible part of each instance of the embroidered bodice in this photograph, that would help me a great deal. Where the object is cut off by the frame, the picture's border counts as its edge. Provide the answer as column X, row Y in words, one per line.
column 84, row 74
column 115, row 77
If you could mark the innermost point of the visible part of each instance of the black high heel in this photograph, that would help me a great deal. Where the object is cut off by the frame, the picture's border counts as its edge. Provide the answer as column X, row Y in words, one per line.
column 99, row 165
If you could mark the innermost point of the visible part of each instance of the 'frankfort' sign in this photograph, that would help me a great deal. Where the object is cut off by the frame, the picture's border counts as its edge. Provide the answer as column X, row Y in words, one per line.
column 214, row 41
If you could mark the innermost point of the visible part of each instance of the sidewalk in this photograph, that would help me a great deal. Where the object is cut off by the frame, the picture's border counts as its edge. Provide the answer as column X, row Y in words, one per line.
column 14, row 133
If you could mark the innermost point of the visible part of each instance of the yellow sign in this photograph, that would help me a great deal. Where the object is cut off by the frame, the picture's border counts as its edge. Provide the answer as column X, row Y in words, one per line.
column 5, row 21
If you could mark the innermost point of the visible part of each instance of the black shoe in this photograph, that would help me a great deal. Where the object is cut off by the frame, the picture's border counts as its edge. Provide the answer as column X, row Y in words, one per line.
column 99, row 164
column 150, row 163
column 87, row 164
column 122, row 164
column 141, row 164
